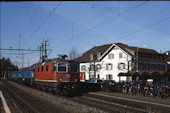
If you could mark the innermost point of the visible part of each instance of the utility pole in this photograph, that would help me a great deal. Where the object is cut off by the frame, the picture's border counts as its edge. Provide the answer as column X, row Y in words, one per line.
column 22, row 60
column 28, row 63
column 137, row 60
column 46, row 49
column 43, row 51
column 40, row 53
column 19, row 35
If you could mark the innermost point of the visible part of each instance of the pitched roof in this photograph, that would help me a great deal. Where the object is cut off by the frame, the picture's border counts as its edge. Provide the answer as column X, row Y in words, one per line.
column 102, row 49
column 86, row 56
column 143, row 50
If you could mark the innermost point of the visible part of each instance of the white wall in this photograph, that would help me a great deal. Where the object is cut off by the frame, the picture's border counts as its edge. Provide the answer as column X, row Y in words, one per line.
column 115, row 71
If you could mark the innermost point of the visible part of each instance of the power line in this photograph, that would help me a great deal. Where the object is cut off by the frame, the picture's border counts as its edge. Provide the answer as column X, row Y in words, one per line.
column 96, row 17
column 83, row 14
column 110, row 19
column 104, row 22
column 28, row 12
column 18, row 54
column 42, row 17
column 43, row 23
column 146, row 27
column 18, row 49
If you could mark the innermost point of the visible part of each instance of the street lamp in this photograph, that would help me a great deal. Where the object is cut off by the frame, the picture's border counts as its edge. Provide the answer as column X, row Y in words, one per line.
column 137, row 51
column 137, row 59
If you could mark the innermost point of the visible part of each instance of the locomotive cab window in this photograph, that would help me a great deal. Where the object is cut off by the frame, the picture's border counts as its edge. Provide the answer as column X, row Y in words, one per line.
column 74, row 68
column 62, row 67
column 42, row 68
column 55, row 66
column 38, row 69
column 46, row 67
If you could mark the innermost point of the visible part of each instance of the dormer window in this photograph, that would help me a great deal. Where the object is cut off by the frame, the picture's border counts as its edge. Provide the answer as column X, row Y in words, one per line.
column 98, row 55
column 110, row 56
column 91, row 56
column 120, row 55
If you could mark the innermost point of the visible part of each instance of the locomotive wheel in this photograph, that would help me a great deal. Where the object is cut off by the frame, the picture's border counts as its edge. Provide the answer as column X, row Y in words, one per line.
column 58, row 92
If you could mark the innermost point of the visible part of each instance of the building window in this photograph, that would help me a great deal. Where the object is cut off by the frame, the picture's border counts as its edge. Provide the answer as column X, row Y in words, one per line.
column 92, row 67
column 98, row 76
column 55, row 67
column 147, row 67
column 62, row 67
column 109, row 77
column 109, row 66
column 158, row 66
column 141, row 66
column 120, row 55
column 46, row 67
column 38, row 69
column 110, row 56
column 153, row 67
column 42, row 68
column 91, row 56
column 83, row 67
column 98, row 55
column 162, row 67
column 98, row 66
column 74, row 68
column 169, row 78
column 121, row 66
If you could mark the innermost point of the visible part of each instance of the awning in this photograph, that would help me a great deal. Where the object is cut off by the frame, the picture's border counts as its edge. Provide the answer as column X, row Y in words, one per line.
column 145, row 74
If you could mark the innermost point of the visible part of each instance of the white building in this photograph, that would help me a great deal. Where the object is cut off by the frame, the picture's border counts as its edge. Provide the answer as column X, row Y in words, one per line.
column 107, row 61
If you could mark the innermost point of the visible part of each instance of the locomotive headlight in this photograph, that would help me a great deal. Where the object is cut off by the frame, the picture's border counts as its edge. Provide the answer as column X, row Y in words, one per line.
column 68, row 75
column 75, row 79
column 60, row 79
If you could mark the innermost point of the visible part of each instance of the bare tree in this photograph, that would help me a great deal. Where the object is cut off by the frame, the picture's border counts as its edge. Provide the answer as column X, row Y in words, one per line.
column 73, row 54
column 94, row 65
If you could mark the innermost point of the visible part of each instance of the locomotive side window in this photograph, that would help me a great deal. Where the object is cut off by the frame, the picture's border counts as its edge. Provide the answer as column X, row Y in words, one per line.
column 55, row 66
column 62, row 67
column 42, row 68
column 38, row 69
column 46, row 67
column 74, row 68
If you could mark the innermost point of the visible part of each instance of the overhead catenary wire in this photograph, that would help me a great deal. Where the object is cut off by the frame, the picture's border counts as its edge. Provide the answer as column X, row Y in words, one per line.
column 42, row 23
column 77, row 19
column 110, row 19
column 43, row 17
column 96, row 17
column 144, row 28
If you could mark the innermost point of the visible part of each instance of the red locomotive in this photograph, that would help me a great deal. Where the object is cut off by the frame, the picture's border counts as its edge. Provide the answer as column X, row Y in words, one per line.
column 58, row 75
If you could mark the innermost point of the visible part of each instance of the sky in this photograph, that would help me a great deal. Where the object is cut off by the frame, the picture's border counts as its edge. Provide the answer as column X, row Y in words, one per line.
column 82, row 25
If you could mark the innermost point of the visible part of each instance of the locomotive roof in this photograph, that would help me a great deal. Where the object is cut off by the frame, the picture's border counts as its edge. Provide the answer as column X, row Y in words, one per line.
column 55, row 60
column 24, row 69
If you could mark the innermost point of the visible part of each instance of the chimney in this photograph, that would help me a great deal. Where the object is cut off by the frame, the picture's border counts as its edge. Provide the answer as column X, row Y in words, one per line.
column 160, row 52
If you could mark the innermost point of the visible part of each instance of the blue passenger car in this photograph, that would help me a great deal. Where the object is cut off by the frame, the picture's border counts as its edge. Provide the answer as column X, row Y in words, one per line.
column 15, row 76
column 27, row 76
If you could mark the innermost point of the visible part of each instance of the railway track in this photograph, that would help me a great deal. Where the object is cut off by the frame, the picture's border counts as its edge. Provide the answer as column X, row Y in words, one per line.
column 22, row 105
column 104, row 104
column 15, row 103
column 89, row 102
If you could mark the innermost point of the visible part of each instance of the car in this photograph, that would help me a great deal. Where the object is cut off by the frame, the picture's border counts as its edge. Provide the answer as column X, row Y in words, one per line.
column 94, row 80
column 109, row 82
